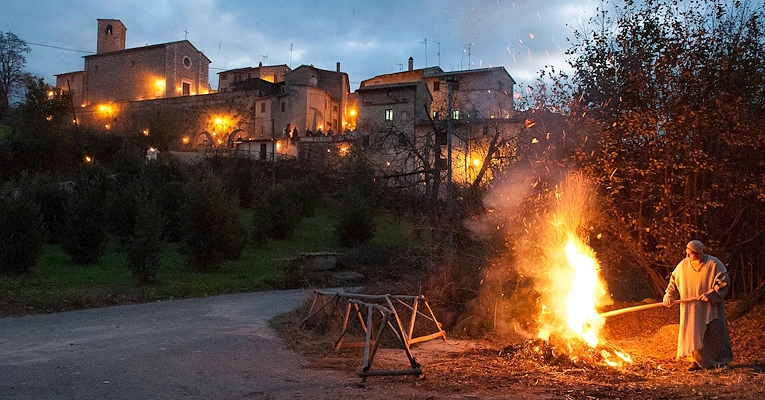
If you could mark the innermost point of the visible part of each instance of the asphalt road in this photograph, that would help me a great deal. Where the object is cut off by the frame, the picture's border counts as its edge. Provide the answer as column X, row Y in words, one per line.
column 211, row 348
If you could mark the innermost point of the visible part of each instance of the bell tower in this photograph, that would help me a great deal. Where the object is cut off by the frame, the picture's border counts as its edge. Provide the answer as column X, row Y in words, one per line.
column 111, row 36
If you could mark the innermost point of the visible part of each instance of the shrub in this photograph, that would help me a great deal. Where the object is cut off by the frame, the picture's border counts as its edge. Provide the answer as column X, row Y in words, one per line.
column 210, row 226
column 144, row 245
column 244, row 177
column 85, row 228
column 122, row 208
column 53, row 198
column 22, row 234
column 277, row 214
column 357, row 223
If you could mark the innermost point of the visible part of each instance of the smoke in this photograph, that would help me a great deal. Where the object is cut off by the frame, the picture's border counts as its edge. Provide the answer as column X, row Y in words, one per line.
column 534, row 216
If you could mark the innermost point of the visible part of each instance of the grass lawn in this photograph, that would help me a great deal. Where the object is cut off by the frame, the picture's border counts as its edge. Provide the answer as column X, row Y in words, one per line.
column 57, row 284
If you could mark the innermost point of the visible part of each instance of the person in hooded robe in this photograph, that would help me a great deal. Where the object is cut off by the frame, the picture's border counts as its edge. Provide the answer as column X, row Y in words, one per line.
column 703, row 334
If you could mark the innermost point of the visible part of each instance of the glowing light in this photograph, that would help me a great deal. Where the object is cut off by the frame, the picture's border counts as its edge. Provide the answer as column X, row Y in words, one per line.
column 145, row 132
column 582, row 316
column 218, row 121
column 49, row 117
column 279, row 146
column 88, row 159
column 185, row 140
column 353, row 112
column 476, row 162
column 574, row 290
column 50, row 93
column 107, row 126
column 160, row 83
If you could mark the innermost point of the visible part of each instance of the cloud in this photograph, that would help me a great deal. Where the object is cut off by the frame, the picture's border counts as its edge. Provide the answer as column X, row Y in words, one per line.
column 367, row 37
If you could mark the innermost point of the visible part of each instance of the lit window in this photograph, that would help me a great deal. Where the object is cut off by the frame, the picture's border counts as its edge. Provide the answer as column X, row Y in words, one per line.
column 389, row 114
column 435, row 114
column 455, row 114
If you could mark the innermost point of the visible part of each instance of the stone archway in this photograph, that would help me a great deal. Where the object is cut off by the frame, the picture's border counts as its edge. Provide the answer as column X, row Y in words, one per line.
column 237, row 135
column 203, row 139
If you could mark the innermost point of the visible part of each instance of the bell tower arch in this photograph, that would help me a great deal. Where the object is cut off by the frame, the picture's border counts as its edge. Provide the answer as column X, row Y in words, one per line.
column 111, row 36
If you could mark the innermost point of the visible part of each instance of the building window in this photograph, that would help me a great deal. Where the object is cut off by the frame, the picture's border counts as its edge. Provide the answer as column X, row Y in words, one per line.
column 132, row 64
column 403, row 115
column 262, row 151
column 389, row 114
column 109, row 29
column 455, row 114
column 284, row 106
column 262, row 107
column 224, row 77
column 187, row 62
column 435, row 114
column 441, row 138
column 436, row 86
column 402, row 139
column 186, row 88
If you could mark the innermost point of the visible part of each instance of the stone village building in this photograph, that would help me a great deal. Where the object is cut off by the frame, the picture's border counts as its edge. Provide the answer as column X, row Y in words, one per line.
column 162, row 91
column 403, row 118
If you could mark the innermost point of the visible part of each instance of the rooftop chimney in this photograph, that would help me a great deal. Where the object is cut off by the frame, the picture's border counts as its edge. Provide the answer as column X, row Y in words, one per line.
column 411, row 63
column 338, row 66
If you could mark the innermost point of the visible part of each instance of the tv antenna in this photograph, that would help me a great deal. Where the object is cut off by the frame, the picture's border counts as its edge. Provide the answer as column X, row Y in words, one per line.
column 425, row 42
column 265, row 57
column 290, row 55
column 400, row 66
column 439, row 53
column 467, row 48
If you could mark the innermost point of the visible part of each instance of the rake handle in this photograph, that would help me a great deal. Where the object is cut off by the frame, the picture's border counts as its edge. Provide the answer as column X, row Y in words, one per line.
column 639, row 308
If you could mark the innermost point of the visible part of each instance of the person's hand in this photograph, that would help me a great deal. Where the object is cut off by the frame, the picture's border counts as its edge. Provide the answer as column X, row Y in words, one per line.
column 703, row 297
column 667, row 300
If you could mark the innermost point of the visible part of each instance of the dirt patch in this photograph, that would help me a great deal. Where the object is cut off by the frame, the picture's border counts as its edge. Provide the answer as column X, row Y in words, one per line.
column 486, row 368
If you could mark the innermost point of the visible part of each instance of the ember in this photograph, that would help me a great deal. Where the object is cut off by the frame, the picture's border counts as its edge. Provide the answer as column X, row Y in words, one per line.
column 563, row 352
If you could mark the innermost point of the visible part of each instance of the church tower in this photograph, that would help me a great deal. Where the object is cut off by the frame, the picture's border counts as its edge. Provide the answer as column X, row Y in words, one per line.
column 111, row 36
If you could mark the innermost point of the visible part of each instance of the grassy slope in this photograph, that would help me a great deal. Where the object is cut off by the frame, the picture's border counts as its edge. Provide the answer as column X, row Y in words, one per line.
column 57, row 284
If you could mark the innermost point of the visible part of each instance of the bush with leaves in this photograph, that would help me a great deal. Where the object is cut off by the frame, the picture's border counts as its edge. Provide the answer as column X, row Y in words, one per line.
column 210, row 226
column 280, row 211
column 357, row 224
column 22, row 234
column 144, row 245
column 85, row 229
column 244, row 177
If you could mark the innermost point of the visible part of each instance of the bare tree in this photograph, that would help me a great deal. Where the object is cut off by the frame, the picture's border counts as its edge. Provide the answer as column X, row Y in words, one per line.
column 12, row 62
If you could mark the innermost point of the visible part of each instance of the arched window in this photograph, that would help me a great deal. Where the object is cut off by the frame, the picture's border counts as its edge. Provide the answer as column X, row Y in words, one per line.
column 109, row 29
